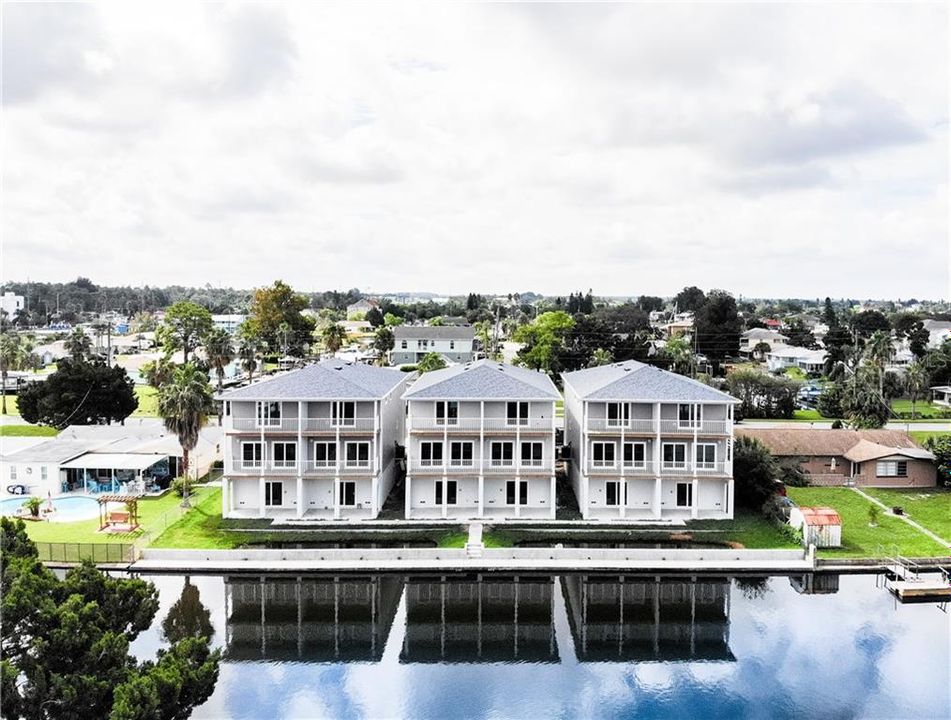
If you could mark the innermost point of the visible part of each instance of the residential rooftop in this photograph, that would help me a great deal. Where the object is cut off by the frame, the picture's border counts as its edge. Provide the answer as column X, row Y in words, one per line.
column 786, row 442
column 483, row 380
column 326, row 380
column 638, row 382
column 433, row 332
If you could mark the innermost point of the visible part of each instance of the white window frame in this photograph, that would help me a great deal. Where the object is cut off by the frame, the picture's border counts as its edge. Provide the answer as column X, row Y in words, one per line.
column 264, row 415
column 523, row 410
column 338, row 414
column 622, row 414
column 532, row 460
column 673, row 464
column 357, row 463
column 603, row 462
column 331, row 449
column 461, row 461
column 44, row 473
column 13, row 472
column 634, row 463
column 705, row 464
column 517, row 487
column 891, row 468
column 255, row 462
column 432, row 460
column 269, row 486
column 341, row 500
column 501, row 461
column 690, row 498
column 694, row 416
column 438, row 492
column 285, row 463
column 450, row 412
column 620, row 489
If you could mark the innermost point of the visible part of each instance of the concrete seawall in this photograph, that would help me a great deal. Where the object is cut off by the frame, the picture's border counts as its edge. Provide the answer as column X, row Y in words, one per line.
column 458, row 560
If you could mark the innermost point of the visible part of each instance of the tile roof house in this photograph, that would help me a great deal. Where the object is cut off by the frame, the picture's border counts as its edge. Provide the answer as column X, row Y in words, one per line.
column 318, row 442
column 644, row 443
column 481, row 443
column 869, row 458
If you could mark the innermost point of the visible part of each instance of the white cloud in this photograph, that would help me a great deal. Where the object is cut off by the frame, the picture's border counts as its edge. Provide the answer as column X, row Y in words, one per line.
column 769, row 149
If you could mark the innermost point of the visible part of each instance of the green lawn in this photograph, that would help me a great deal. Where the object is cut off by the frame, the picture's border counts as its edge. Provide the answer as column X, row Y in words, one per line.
column 148, row 401
column 27, row 431
column 859, row 539
column 929, row 507
column 747, row 529
column 923, row 408
column 919, row 436
column 154, row 515
column 490, row 538
column 810, row 415
column 12, row 405
column 200, row 528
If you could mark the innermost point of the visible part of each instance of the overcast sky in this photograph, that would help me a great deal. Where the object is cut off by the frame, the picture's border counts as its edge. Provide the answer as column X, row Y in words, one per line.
column 770, row 150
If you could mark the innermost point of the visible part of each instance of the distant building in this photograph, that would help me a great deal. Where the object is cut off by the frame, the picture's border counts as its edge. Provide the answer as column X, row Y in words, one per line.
column 357, row 310
column 751, row 338
column 228, row 323
column 781, row 357
column 938, row 331
column 413, row 342
column 11, row 304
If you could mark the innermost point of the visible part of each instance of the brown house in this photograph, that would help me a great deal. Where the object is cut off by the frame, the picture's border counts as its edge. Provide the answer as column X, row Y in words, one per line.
column 870, row 458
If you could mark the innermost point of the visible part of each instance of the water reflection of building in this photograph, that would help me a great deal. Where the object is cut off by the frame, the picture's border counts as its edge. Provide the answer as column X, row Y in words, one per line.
column 636, row 618
column 316, row 619
column 815, row 583
column 480, row 619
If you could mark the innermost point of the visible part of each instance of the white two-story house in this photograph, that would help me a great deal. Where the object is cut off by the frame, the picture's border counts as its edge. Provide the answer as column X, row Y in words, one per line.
column 647, row 444
column 319, row 442
column 481, row 443
column 411, row 343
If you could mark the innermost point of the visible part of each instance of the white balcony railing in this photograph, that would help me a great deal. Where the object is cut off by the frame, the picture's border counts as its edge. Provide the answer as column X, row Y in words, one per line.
column 474, row 425
column 633, row 425
column 649, row 469
column 705, row 427
column 246, row 466
column 308, row 424
column 649, row 426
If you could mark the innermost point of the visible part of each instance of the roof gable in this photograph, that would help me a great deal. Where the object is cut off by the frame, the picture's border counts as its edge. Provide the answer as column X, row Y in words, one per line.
column 329, row 379
column 636, row 381
column 483, row 380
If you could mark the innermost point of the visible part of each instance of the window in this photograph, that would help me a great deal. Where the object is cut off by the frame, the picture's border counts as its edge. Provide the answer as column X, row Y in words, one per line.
column 619, row 414
column 602, row 454
column 891, row 468
column 450, row 492
column 531, row 454
column 273, row 493
column 402, row 344
column 13, row 472
column 460, row 454
column 285, row 454
column 516, row 413
column 513, row 486
column 452, row 344
column 706, row 456
column 343, row 413
column 325, row 454
column 635, row 455
column 674, row 455
column 684, row 494
column 250, row 454
column 348, row 493
column 44, row 472
column 358, row 454
column 502, row 454
column 688, row 416
column 447, row 412
column 430, row 454
column 268, row 414
column 615, row 493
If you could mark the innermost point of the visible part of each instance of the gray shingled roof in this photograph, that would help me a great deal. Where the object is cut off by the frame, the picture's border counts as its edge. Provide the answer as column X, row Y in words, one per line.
column 632, row 380
column 326, row 380
column 433, row 332
column 57, row 450
column 483, row 380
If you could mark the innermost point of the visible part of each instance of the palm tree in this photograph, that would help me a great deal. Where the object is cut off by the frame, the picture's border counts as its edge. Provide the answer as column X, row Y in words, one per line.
column 185, row 402
column 916, row 382
column 78, row 344
column 12, row 356
column 601, row 357
column 248, row 349
column 219, row 351
column 878, row 351
column 334, row 337
column 157, row 372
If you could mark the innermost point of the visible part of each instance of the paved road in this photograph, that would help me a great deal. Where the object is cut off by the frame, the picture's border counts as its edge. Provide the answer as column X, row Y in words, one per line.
column 938, row 426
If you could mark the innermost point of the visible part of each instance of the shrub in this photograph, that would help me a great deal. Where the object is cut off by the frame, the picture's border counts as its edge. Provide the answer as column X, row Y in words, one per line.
column 754, row 472
column 33, row 505
column 178, row 485
column 408, row 368
column 873, row 513
column 792, row 474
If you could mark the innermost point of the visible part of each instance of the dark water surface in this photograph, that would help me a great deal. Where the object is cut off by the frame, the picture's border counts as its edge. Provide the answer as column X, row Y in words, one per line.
column 600, row 646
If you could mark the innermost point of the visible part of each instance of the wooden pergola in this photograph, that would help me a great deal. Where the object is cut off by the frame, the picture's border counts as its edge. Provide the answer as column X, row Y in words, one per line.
column 128, row 516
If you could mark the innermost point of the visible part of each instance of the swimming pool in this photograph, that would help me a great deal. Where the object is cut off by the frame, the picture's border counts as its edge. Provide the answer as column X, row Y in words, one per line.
column 69, row 508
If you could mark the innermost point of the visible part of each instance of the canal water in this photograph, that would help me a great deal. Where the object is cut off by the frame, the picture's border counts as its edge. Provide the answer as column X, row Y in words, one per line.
column 599, row 646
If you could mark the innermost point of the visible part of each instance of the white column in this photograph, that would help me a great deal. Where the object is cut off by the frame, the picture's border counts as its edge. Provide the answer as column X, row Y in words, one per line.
column 264, row 462
column 261, row 496
column 340, row 449
column 301, row 458
column 656, row 455
column 554, row 494
column 225, row 496
column 583, row 459
column 729, row 498
column 407, row 507
column 482, row 458
column 481, row 495
column 697, row 419
column 444, row 488
column 375, row 499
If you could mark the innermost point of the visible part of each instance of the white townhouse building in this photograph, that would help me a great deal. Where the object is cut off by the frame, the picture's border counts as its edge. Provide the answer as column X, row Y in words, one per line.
column 481, row 443
column 411, row 343
column 648, row 444
column 319, row 442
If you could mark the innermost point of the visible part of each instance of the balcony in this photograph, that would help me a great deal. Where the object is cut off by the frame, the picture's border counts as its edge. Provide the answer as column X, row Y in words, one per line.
column 614, row 426
column 475, row 425
column 705, row 427
column 649, row 469
column 645, row 468
column 308, row 424
column 649, row 427
column 418, row 467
